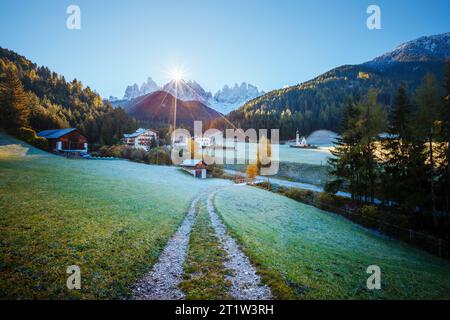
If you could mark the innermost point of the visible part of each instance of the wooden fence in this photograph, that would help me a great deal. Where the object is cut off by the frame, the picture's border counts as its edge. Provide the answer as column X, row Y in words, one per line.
column 424, row 241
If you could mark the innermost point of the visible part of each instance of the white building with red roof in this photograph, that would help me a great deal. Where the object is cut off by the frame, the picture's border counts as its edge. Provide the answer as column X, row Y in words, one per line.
column 141, row 139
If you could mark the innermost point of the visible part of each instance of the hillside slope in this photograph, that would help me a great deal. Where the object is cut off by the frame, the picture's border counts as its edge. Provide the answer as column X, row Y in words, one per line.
column 158, row 108
column 57, row 103
column 318, row 103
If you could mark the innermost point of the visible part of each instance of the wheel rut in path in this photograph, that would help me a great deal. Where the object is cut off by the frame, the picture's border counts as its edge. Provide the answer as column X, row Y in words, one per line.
column 162, row 283
column 246, row 283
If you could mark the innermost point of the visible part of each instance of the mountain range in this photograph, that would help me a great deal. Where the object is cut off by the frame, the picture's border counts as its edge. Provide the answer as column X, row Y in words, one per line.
column 308, row 106
column 224, row 101
column 157, row 109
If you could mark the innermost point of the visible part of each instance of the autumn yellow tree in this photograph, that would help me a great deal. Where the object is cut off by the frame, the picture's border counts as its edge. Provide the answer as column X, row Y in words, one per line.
column 195, row 150
column 252, row 171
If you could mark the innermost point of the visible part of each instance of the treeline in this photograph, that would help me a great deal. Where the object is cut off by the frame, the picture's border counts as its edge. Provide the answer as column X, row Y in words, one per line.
column 158, row 155
column 408, row 169
column 40, row 99
column 319, row 103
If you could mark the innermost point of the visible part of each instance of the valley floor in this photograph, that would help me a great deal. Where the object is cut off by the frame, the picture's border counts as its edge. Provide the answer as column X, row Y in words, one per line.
column 120, row 220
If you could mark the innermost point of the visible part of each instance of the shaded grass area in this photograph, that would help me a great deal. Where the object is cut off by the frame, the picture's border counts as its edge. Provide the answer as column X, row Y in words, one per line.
column 302, row 252
column 205, row 275
column 111, row 218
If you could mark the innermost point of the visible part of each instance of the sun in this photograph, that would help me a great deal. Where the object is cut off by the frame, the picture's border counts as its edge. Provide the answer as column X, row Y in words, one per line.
column 177, row 74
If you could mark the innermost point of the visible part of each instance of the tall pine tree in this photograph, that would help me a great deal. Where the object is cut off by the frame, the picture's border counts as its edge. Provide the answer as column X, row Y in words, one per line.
column 428, row 101
column 344, row 164
column 404, row 159
column 370, row 123
column 444, row 151
column 14, row 111
column 397, row 148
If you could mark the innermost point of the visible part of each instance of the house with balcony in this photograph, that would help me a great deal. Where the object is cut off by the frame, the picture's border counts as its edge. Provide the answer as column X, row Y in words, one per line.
column 68, row 141
column 141, row 139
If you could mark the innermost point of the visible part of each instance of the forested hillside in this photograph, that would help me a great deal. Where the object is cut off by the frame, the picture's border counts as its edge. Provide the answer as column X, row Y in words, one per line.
column 319, row 103
column 34, row 96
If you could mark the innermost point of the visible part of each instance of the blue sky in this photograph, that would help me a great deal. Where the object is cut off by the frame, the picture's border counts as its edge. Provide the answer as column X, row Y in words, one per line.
column 264, row 42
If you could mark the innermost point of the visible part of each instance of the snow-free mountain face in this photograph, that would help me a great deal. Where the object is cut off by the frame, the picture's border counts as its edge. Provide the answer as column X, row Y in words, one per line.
column 132, row 92
column 187, row 91
column 430, row 48
column 224, row 101
column 157, row 108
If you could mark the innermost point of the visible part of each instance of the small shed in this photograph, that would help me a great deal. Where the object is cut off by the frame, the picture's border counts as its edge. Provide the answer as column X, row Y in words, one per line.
column 195, row 167
column 65, row 140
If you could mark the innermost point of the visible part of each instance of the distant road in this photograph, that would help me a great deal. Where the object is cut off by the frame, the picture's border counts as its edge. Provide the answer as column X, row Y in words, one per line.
column 293, row 184
column 289, row 184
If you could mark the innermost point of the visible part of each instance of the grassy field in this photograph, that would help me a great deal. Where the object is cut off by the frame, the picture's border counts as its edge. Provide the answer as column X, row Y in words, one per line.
column 111, row 218
column 307, row 156
column 286, row 154
column 306, row 253
column 204, row 277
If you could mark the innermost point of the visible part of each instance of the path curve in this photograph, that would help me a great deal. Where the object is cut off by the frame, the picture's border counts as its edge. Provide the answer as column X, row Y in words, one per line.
column 162, row 283
column 246, row 283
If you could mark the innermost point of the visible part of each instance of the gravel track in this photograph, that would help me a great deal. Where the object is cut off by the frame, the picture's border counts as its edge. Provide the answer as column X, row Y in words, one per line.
column 162, row 283
column 246, row 283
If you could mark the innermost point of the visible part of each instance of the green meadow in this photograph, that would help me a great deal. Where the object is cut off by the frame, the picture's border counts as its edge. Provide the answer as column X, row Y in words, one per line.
column 111, row 218
column 306, row 253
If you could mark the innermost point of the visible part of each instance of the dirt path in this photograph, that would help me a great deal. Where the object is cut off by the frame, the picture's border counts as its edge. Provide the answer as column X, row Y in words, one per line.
column 246, row 284
column 162, row 283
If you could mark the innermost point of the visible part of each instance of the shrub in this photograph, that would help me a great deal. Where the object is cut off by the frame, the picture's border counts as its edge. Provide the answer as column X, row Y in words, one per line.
column 305, row 196
column 137, row 155
column 264, row 185
column 116, row 151
column 26, row 134
column 333, row 186
column 369, row 211
column 40, row 143
column 29, row 135
column 326, row 200
column 216, row 170
column 158, row 156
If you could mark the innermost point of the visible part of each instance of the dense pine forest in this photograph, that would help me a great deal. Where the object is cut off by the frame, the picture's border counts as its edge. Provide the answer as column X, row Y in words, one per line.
column 33, row 98
column 320, row 103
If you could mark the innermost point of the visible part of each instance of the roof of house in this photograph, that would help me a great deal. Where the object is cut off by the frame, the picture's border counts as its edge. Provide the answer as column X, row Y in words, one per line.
column 55, row 134
column 138, row 132
column 191, row 162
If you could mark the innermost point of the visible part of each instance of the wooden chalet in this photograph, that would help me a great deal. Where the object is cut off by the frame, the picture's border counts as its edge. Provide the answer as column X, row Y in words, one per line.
column 65, row 141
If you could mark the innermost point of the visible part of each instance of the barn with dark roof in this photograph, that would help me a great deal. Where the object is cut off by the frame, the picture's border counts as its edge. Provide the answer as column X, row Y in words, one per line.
column 65, row 140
